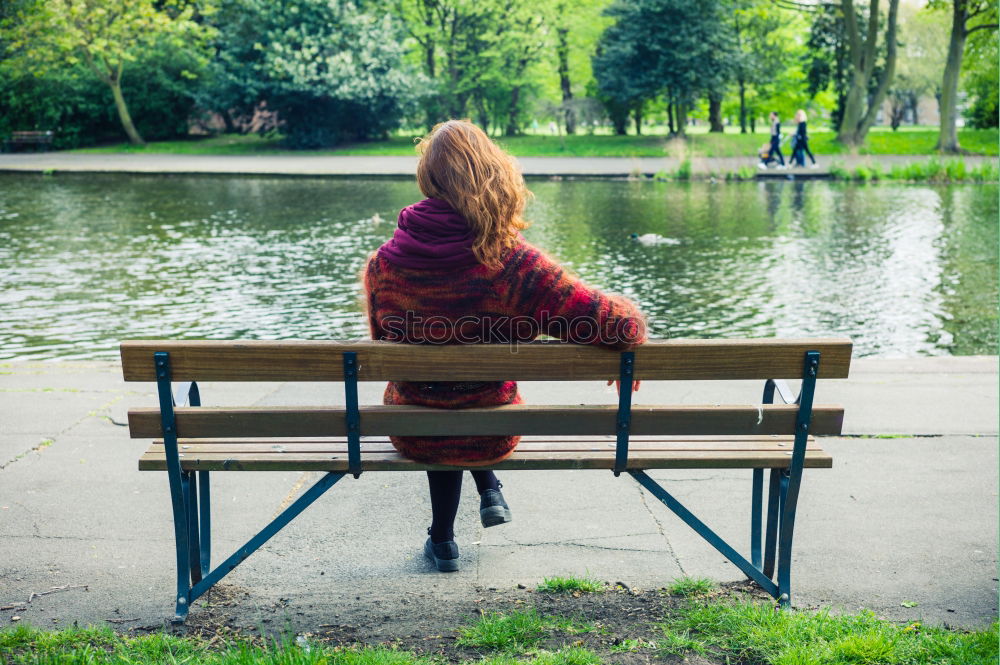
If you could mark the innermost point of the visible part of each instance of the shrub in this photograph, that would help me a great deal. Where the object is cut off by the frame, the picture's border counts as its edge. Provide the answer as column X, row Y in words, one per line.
column 838, row 172
column 80, row 110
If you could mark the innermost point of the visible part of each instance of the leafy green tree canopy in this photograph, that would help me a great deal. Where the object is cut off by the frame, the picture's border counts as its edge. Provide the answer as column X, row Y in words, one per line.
column 331, row 71
column 105, row 35
column 679, row 47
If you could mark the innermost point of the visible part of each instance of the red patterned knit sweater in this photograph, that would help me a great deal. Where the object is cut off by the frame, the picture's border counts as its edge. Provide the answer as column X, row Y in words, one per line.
column 479, row 304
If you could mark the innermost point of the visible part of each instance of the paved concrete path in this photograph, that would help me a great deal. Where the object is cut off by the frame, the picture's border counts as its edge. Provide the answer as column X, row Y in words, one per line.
column 910, row 519
column 302, row 165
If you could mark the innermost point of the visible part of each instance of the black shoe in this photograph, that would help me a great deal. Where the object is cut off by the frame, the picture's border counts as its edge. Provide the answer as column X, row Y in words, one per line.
column 493, row 510
column 444, row 555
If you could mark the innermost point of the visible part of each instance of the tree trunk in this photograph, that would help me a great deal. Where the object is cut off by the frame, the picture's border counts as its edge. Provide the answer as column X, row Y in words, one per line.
column 948, row 136
column 123, row 114
column 888, row 71
column 715, row 113
column 896, row 112
column 620, row 121
column 670, row 118
column 562, row 50
column 853, row 110
column 637, row 116
column 515, row 98
column 856, row 121
column 484, row 115
column 681, row 111
column 227, row 120
column 743, row 107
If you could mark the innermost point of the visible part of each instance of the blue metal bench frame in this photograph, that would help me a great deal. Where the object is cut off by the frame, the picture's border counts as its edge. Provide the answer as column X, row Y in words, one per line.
column 191, row 497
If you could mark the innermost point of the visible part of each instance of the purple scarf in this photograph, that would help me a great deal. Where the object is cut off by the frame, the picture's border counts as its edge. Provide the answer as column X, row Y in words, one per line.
column 430, row 235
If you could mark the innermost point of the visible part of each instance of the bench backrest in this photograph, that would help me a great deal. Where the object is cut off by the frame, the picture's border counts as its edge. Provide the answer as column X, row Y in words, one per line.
column 540, row 361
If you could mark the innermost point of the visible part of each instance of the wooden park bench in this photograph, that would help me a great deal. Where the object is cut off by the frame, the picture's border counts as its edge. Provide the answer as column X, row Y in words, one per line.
column 37, row 140
column 192, row 441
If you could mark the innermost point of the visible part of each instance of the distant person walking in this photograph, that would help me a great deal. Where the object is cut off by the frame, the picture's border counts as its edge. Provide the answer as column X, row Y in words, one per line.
column 776, row 139
column 801, row 146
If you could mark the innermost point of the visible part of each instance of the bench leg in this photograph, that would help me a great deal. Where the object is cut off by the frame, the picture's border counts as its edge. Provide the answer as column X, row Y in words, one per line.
column 789, row 499
column 205, row 522
column 177, row 496
column 775, row 492
column 755, row 517
column 189, row 480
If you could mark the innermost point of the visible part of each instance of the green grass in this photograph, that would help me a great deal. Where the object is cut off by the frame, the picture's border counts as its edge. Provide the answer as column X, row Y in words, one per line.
column 92, row 646
column 690, row 586
column 726, row 630
column 880, row 141
column 932, row 170
column 752, row 632
column 570, row 584
column 517, row 632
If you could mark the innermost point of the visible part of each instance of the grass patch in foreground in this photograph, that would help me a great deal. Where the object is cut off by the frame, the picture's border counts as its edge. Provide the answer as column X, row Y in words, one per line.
column 517, row 632
column 570, row 584
column 757, row 633
column 690, row 586
column 101, row 646
column 720, row 630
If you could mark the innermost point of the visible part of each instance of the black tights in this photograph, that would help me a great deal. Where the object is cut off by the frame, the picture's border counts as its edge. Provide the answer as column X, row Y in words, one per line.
column 446, row 490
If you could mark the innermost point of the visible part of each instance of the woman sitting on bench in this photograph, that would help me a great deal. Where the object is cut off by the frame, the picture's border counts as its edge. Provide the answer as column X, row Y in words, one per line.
column 458, row 271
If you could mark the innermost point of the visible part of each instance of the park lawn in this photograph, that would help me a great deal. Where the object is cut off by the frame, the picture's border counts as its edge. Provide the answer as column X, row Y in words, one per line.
column 880, row 141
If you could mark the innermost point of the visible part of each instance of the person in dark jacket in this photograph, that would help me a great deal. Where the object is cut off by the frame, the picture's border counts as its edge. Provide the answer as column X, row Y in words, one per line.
column 776, row 138
column 801, row 139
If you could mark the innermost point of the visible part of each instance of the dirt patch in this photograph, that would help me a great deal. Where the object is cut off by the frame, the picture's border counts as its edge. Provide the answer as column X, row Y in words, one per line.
column 623, row 620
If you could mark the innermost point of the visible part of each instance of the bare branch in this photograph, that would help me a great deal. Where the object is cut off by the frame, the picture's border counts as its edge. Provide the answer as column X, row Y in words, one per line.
column 984, row 26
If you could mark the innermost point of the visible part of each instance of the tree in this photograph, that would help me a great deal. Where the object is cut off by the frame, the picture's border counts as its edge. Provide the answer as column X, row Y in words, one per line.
column 923, row 41
column 106, row 35
column 967, row 17
column 656, row 46
column 232, row 87
column 760, row 49
column 623, row 63
column 863, row 50
column 981, row 66
column 828, row 65
column 573, row 28
column 476, row 53
column 562, row 58
column 331, row 71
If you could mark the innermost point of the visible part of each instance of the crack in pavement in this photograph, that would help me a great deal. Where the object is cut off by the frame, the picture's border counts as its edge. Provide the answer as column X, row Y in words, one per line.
column 663, row 532
column 564, row 543
column 52, row 440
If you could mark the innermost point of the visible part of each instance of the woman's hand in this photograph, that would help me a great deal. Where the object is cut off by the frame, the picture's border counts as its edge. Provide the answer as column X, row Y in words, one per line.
column 618, row 385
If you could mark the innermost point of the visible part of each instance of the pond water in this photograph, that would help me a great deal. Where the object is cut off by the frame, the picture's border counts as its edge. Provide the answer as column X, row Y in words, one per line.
column 86, row 261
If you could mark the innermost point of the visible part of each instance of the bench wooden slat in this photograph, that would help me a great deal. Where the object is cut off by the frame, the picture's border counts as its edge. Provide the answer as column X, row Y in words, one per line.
column 212, row 422
column 680, row 359
column 155, row 460
column 529, row 444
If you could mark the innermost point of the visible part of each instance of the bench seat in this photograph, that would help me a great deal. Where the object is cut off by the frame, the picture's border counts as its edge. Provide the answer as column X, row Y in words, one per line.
column 540, row 453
